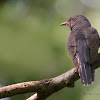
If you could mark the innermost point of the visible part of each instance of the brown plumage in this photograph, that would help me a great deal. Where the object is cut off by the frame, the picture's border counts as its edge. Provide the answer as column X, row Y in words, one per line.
column 82, row 44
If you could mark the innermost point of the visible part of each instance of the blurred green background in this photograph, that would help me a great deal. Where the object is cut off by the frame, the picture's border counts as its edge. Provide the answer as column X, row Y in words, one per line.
column 33, row 45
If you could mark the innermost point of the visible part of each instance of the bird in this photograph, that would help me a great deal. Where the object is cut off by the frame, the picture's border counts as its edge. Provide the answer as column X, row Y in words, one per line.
column 82, row 44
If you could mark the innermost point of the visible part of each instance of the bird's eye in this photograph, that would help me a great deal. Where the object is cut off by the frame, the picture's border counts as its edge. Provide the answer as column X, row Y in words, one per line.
column 73, row 19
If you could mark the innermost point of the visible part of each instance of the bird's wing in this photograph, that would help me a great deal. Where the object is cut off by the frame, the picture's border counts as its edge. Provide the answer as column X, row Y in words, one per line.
column 86, row 70
column 92, row 39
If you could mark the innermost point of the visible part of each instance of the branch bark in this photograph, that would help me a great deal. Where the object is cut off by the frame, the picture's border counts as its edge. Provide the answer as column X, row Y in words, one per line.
column 44, row 88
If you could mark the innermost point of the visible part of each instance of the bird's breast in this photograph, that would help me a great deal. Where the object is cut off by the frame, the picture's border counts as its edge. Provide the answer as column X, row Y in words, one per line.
column 71, row 45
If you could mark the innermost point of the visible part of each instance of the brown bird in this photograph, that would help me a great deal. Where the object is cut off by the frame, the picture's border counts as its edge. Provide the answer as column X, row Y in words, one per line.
column 82, row 44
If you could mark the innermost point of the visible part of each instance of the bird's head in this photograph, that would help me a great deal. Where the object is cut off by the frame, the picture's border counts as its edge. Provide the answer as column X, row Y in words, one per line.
column 76, row 22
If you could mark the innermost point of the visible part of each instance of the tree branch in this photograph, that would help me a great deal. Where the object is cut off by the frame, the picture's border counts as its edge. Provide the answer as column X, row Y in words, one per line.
column 44, row 88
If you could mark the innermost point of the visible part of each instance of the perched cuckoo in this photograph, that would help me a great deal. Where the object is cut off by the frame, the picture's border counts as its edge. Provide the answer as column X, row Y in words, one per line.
column 82, row 44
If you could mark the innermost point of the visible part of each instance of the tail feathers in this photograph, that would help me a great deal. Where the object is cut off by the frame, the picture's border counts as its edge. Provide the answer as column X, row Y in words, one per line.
column 86, row 74
column 86, row 70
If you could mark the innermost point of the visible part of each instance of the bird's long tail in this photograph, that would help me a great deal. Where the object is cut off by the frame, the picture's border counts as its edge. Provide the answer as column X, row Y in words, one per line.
column 86, row 70
column 86, row 73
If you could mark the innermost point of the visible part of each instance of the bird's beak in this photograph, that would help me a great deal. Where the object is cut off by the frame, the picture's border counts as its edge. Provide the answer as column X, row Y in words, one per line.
column 64, row 23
